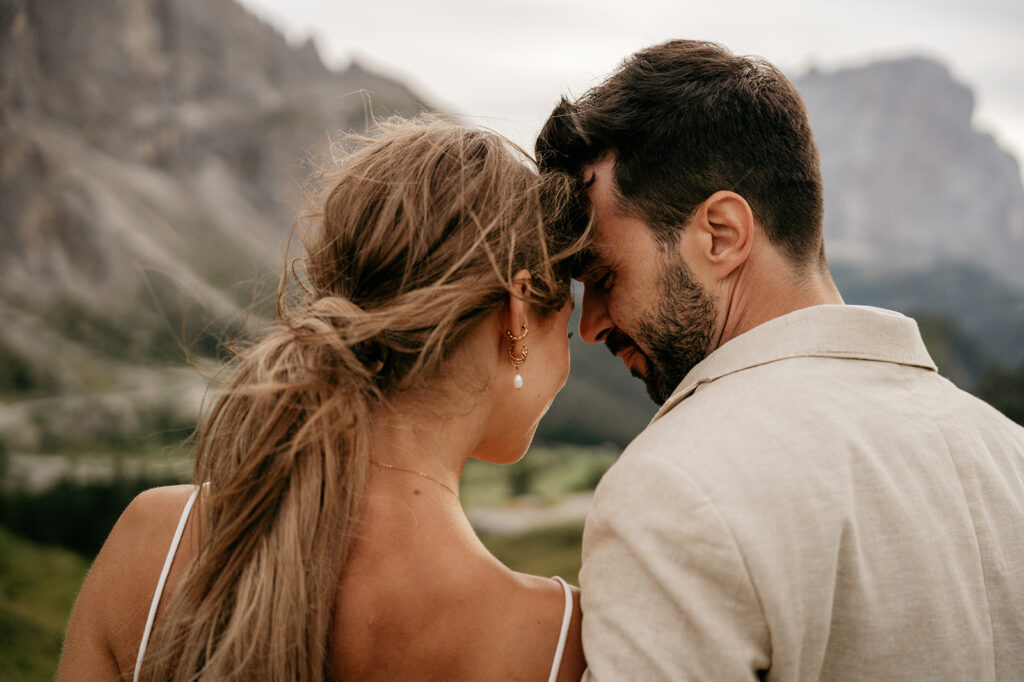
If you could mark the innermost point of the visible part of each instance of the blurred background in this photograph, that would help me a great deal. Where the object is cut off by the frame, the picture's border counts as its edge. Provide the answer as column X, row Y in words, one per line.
column 152, row 158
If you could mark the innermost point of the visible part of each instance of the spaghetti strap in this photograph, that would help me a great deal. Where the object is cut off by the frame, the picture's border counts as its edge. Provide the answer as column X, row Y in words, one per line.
column 163, row 579
column 564, row 634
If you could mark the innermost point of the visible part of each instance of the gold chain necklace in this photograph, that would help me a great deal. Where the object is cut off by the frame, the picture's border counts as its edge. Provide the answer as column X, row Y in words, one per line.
column 385, row 465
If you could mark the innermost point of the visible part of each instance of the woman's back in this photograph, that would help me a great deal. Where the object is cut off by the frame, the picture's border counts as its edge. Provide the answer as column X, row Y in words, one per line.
column 110, row 614
column 422, row 598
column 401, row 613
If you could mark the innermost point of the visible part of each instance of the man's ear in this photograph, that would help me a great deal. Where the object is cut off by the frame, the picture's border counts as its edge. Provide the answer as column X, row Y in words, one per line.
column 517, row 305
column 721, row 235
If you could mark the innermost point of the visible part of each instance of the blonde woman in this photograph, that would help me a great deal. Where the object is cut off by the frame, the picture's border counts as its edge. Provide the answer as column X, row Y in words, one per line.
column 327, row 540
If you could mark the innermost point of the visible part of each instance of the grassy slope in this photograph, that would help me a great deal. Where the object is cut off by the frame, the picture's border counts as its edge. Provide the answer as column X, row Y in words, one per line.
column 38, row 586
column 548, row 552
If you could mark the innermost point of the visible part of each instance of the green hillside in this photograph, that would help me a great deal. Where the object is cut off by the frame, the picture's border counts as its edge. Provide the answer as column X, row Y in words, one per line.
column 38, row 586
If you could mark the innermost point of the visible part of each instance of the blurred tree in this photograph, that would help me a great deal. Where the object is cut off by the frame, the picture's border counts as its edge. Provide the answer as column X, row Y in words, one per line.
column 1004, row 390
column 958, row 356
column 70, row 514
column 520, row 477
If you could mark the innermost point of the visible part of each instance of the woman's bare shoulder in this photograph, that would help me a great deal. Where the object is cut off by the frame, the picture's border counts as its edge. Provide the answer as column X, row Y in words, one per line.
column 573, row 662
column 472, row 621
column 110, row 613
column 533, row 611
column 141, row 537
column 153, row 508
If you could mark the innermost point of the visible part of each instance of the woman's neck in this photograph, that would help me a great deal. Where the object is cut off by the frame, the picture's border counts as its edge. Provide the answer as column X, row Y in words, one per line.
column 417, row 526
column 435, row 448
column 414, row 476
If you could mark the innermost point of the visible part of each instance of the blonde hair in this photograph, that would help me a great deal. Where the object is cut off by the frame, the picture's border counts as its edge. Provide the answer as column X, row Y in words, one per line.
column 420, row 233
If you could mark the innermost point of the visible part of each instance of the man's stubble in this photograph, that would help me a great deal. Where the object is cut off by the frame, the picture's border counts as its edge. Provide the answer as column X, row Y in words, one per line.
column 675, row 334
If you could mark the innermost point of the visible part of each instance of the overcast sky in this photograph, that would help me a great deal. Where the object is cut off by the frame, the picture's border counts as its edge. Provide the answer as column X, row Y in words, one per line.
column 505, row 63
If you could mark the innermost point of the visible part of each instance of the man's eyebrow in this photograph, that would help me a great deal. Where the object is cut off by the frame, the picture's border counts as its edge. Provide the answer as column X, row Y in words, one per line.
column 583, row 261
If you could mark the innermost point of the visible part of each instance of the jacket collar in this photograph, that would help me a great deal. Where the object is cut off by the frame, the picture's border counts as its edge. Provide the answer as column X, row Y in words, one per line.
column 827, row 331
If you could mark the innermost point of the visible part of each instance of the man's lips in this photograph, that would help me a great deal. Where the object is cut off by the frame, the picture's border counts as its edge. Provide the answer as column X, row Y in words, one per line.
column 628, row 355
column 621, row 346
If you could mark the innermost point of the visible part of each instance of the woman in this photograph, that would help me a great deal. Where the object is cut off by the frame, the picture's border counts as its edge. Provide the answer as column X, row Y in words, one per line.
column 328, row 540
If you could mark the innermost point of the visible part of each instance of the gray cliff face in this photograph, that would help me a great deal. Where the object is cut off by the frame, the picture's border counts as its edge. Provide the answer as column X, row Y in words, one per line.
column 153, row 152
column 909, row 181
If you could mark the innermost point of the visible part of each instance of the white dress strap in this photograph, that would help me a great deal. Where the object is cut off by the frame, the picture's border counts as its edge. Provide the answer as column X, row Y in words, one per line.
column 564, row 634
column 163, row 579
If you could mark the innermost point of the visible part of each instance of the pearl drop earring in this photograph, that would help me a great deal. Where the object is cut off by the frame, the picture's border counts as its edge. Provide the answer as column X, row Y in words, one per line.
column 520, row 360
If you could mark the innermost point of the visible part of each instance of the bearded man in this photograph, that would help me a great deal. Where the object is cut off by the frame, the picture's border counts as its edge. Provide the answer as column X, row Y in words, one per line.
column 812, row 500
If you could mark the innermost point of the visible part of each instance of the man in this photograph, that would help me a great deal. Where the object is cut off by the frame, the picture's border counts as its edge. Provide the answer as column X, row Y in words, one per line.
column 812, row 500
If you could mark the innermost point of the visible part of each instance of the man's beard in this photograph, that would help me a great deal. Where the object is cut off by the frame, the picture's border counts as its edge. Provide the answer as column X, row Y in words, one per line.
column 674, row 335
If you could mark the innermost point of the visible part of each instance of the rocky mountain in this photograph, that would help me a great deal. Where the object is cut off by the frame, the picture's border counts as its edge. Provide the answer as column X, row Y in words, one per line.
column 152, row 155
column 152, row 160
column 909, row 180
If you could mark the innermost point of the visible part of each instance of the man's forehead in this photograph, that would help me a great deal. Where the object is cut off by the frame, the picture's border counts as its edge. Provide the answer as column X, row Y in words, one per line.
column 593, row 256
column 584, row 262
column 598, row 175
column 603, row 214
column 603, row 191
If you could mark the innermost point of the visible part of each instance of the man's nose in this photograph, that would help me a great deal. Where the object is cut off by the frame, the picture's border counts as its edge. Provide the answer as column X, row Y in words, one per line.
column 595, row 325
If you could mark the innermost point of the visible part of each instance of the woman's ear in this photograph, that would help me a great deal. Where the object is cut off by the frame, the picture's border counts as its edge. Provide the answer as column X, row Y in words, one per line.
column 517, row 305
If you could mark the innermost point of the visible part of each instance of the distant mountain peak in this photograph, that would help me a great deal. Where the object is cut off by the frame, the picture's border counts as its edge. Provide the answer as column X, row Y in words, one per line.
column 909, row 181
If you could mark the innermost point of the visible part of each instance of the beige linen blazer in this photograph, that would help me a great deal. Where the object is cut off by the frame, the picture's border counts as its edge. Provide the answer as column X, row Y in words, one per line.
column 813, row 502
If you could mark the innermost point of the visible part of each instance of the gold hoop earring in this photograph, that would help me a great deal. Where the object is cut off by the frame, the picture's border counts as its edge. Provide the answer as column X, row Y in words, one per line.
column 521, row 336
column 517, row 360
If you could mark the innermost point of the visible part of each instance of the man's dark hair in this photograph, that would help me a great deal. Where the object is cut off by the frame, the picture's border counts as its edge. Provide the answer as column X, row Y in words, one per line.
column 685, row 119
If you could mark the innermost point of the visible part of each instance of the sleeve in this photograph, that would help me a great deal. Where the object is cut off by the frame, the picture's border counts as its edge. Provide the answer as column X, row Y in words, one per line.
column 665, row 591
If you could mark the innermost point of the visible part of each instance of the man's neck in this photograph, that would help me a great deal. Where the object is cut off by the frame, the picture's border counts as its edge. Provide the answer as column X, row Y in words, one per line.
column 760, row 295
